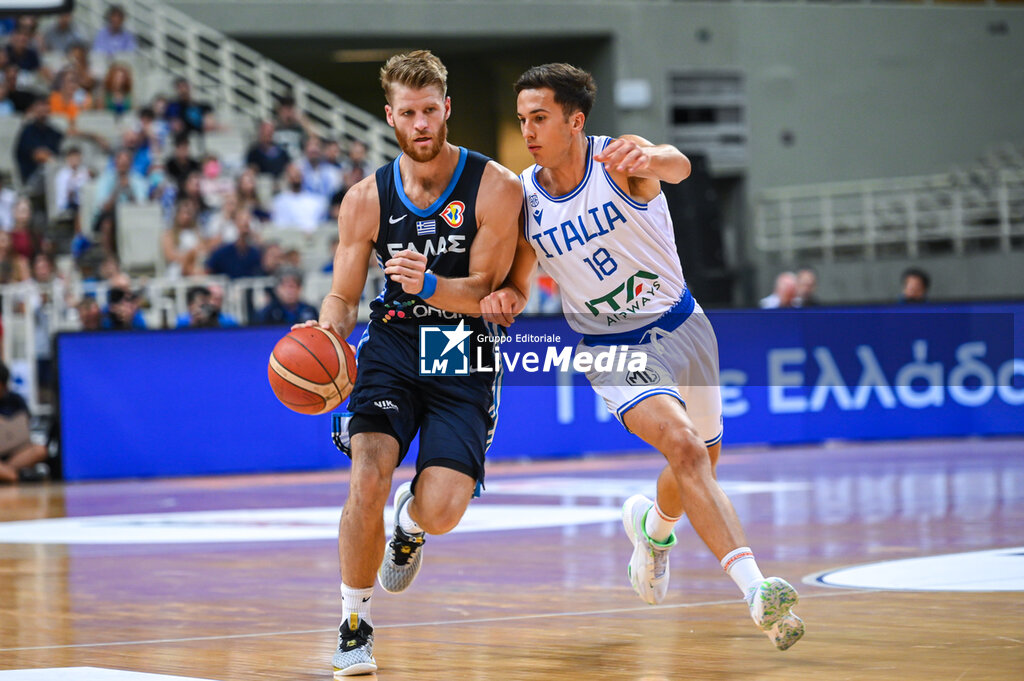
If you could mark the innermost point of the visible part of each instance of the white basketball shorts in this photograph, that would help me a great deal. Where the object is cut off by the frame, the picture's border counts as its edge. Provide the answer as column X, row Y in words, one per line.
column 682, row 363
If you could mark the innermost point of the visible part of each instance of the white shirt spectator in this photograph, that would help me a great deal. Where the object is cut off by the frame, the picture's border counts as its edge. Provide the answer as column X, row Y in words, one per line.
column 303, row 210
column 323, row 178
column 220, row 229
column 68, row 185
column 784, row 295
column 8, row 197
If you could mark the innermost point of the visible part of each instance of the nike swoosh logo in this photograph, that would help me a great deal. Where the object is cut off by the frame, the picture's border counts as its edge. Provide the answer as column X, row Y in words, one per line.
column 367, row 598
column 393, row 220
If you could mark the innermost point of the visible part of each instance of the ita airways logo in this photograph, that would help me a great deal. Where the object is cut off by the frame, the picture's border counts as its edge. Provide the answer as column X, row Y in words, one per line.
column 453, row 214
column 444, row 350
column 629, row 296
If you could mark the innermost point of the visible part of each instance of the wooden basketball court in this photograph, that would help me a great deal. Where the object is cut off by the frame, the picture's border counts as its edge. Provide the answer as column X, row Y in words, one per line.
column 151, row 577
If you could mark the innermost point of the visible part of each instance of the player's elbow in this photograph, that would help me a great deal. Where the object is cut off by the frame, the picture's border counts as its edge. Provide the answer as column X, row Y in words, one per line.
column 680, row 170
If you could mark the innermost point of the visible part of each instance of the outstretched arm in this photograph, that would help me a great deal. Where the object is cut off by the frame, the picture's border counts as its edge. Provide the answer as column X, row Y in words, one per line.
column 639, row 167
column 497, row 209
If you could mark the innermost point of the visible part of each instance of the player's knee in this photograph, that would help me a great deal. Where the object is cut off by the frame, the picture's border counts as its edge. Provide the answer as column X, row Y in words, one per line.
column 370, row 485
column 368, row 491
column 443, row 520
column 438, row 513
column 373, row 464
column 685, row 451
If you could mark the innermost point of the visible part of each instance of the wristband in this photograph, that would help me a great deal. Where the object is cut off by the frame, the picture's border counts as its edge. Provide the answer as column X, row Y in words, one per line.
column 429, row 285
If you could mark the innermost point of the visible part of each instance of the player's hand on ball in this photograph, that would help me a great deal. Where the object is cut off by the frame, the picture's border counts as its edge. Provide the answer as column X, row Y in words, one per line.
column 624, row 156
column 333, row 312
column 501, row 307
column 407, row 268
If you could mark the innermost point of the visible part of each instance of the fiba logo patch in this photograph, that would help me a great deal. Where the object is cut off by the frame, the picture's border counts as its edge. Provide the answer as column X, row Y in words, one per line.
column 645, row 377
column 534, row 201
column 444, row 350
column 452, row 213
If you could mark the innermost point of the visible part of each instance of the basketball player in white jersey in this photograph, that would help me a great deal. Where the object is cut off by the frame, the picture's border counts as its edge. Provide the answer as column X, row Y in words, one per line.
column 598, row 223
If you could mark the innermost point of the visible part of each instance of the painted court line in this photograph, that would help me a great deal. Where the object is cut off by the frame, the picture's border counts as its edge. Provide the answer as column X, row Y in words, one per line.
column 480, row 620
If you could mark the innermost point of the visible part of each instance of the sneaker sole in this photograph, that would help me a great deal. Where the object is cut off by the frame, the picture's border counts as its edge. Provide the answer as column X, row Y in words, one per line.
column 355, row 670
column 781, row 625
column 787, row 631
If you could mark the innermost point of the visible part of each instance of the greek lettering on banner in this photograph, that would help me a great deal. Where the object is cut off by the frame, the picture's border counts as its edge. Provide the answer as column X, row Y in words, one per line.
column 970, row 367
column 872, row 379
column 1011, row 395
column 779, row 379
column 733, row 402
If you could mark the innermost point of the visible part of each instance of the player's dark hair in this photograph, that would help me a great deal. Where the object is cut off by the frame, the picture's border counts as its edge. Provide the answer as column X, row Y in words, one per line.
column 574, row 88
column 920, row 274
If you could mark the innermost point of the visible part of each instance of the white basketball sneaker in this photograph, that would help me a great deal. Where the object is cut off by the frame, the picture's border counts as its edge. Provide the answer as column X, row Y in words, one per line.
column 648, row 566
column 771, row 606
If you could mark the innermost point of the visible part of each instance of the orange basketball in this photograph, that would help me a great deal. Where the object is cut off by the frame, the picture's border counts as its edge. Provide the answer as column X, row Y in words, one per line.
column 312, row 370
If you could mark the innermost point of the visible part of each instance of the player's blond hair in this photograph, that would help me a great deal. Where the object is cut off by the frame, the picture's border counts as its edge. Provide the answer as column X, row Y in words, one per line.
column 415, row 70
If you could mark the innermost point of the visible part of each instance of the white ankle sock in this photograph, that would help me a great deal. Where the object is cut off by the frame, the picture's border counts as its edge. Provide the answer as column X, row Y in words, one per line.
column 659, row 525
column 356, row 601
column 741, row 566
column 405, row 521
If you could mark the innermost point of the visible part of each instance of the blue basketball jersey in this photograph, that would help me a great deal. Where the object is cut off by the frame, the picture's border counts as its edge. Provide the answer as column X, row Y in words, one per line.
column 444, row 232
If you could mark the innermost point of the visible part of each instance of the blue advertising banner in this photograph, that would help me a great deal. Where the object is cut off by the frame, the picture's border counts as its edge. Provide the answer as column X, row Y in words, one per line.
column 877, row 373
column 188, row 402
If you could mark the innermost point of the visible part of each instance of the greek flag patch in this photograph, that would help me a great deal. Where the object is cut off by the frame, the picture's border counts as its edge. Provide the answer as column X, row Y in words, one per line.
column 425, row 227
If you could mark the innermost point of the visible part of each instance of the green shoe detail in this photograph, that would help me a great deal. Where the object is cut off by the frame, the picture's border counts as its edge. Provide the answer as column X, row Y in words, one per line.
column 667, row 544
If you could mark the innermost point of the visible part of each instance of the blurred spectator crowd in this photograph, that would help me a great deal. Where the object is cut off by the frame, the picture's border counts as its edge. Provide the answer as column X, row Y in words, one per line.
column 799, row 289
column 87, row 146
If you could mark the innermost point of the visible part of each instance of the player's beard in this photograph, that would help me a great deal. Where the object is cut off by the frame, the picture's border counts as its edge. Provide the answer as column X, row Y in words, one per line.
column 423, row 155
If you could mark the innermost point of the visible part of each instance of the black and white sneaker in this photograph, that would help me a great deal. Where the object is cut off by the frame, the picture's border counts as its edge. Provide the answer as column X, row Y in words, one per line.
column 355, row 649
column 404, row 553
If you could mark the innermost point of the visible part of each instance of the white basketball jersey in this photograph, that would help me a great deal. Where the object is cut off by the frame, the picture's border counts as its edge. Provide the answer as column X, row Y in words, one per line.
column 614, row 258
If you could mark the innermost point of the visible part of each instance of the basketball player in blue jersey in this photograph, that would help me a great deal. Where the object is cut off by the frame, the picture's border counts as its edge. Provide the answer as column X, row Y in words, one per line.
column 598, row 223
column 442, row 221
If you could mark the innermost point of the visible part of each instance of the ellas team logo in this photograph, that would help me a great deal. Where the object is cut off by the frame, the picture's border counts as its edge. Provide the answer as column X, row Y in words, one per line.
column 452, row 214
